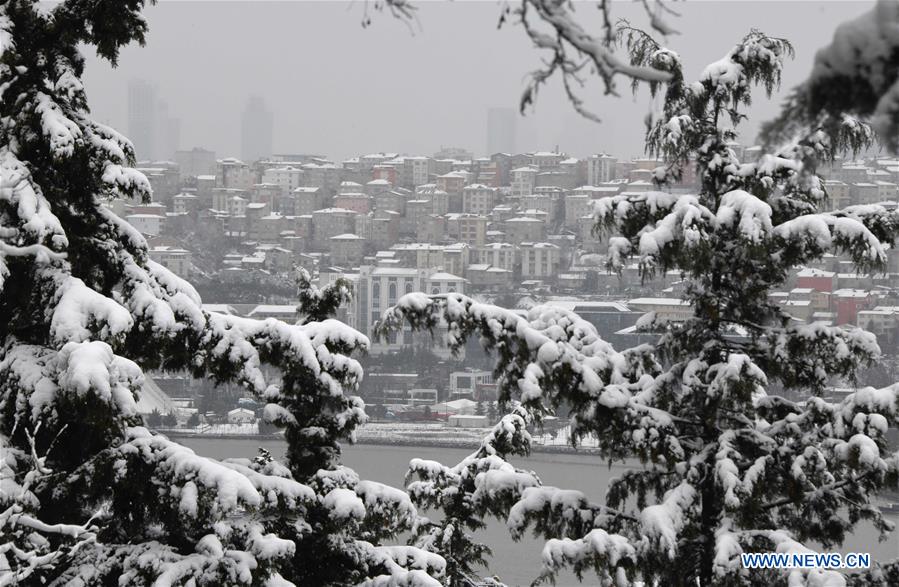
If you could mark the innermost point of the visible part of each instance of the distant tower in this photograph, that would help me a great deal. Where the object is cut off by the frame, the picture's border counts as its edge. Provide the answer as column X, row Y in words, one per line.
column 500, row 131
column 168, row 136
column 255, row 130
column 142, row 123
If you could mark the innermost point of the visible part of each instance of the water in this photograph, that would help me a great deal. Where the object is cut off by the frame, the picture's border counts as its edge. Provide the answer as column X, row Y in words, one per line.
column 516, row 563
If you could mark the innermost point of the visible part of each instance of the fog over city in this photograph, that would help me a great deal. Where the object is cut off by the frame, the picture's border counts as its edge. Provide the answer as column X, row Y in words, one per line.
column 337, row 89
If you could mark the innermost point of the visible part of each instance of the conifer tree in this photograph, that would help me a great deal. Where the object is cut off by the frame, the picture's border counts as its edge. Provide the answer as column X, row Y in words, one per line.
column 88, row 496
column 730, row 464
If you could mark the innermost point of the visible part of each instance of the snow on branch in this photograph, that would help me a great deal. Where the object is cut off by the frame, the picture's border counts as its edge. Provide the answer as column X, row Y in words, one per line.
column 666, row 230
column 547, row 351
column 610, row 555
column 317, row 304
column 856, row 77
column 36, row 221
column 29, row 545
column 482, row 483
column 809, row 236
column 809, row 355
column 575, row 52
column 651, row 225
column 405, row 566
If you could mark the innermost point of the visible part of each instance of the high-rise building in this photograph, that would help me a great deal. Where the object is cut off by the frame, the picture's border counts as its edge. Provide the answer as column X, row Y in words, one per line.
column 256, row 130
column 153, row 132
column 142, row 118
column 500, row 130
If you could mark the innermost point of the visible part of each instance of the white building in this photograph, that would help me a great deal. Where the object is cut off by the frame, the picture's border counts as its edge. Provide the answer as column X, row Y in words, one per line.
column 539, row 260
column 666, row 309
column 233, row 173
column 379, row 288
column 185, row 203
column 287, row 178
column 241, row 416
column 465, row 383
column 175, row 259
column 146, row 224
column 523, row 180
column 284, row 312
column 501, row 255
column 418, row 171
column 600, row 169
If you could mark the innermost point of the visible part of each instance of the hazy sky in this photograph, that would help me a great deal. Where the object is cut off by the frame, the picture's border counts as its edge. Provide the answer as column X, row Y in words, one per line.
column 340, row 90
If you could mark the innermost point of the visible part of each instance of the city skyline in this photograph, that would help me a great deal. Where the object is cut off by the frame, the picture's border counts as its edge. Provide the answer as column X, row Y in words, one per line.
column 370, row 104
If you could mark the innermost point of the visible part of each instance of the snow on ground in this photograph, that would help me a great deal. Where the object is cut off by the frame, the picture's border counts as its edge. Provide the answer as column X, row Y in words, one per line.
column 407, row 433
column 249, row 429
column 412, row 432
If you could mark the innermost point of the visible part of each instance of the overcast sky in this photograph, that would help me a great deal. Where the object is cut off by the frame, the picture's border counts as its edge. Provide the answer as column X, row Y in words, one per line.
column 340, row 90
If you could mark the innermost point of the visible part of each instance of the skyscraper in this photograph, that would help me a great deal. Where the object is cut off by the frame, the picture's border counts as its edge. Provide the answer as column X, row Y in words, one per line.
column 500, row 130
column 142, row 118
column 255, row 130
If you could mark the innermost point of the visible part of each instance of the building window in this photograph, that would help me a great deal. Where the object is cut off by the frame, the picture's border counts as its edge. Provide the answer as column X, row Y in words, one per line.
column 391, row 293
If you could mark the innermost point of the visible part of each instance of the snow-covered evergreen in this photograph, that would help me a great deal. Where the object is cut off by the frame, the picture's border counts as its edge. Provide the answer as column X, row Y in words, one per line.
column 87, row 494
column 731, row 465
column 857, row 74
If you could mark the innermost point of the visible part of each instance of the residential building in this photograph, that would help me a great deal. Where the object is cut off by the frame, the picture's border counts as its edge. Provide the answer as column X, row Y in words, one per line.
column 287, row 178
column 307, row 200
column 331, row 222
column 146, row 224
column 185, row 204
column 467, row 228
column 356, row 201
column 233, row 173
column 524, row 180
column 524, row 229
column 347, row 249
column 539, row 260
column 416, row 169
column 452, row 183
column 500, row 255
column 484, row 277
column 478, row 199
column 195, row 162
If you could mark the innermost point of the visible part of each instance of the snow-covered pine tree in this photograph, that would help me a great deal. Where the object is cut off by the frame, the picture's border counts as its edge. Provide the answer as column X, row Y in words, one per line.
column 88, row 496
column 731, row 465
column 482, row 484
column 857, row 74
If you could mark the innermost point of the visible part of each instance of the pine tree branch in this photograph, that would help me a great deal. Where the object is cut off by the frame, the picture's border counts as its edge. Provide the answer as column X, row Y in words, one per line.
column 831, row 487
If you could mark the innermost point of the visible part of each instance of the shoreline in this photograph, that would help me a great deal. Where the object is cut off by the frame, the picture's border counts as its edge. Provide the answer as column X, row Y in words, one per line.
column 387, row 441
